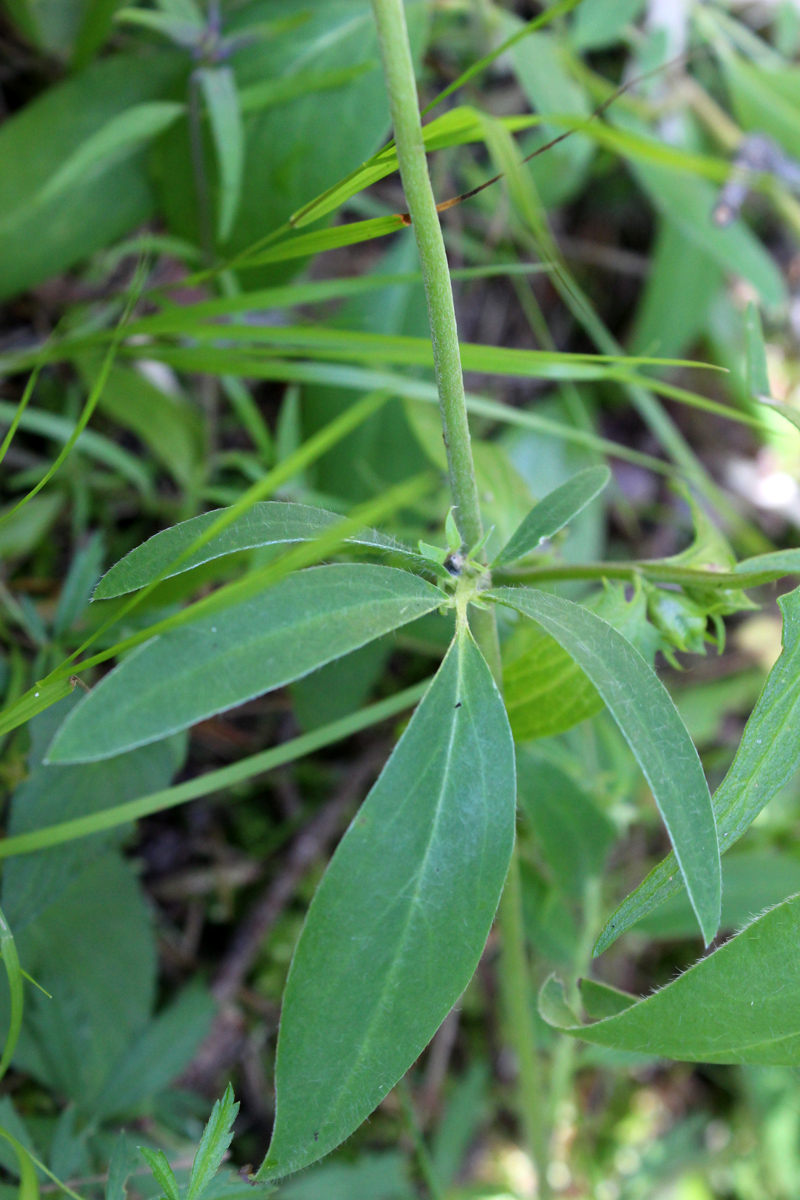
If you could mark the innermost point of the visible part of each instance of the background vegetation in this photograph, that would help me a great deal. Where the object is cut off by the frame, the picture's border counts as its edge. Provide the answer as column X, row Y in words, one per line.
column 167, row 169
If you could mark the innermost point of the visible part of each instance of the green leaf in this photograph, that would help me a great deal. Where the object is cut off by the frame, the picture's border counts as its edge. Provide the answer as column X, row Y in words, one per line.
column 158, row 1056
column 687, row 203
column 123, row 1163
column 553, row 512
column 8, row 951
column 752, row 881
column 222, row 104
column 113, row 143
column 162, row 1171
column 400, row 919
column 53, row 794
column 84, row 572
column 97, row 934
column 28, row 1180
column 674, row 309
column 167, row 424
column 545, row 690
column 36, row 142
column 600, row 23
column 216, row 1139
column 267, row 523
column 755, row 355
column 768, row 756
column 572, row 833
column 767, row 102
column 649, row 721
column 741, row 1004
column 213, row 664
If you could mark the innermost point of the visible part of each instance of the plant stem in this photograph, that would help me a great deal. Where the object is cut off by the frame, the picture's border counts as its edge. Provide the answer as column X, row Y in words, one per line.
column 398, row 70
column 424, row 1161
column 515, row 984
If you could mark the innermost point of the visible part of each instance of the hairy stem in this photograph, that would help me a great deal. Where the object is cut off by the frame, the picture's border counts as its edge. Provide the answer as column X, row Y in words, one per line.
column 404, row 105
column 398, row 71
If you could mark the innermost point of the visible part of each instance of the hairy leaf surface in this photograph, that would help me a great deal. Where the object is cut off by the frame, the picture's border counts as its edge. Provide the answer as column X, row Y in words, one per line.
column 212, row 665
column 268, row 523
column 741, row 1004
column 768, row 756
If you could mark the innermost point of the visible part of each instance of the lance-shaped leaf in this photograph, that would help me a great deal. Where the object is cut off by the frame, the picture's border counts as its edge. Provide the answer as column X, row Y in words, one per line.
column 553, row 512
column 767, row 758
column 268, row 523
column 120, row 137
column 400, row 919
column 741, row 1004
column 300, row 624
column 222, row 104
column 652, row 727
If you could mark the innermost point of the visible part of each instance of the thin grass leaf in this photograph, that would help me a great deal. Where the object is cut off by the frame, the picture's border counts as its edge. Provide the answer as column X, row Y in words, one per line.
column 28, row 1179
column 34, row 701
column 216, row 1139
column 218, row 86
column 755, row 355
column 120, row 137
column 258, row 581
column 271, row 92
column 89, row 406
column 8, row 951
column 317, row 445
column 23, row 404
column 93, row 445
column 268, row 523
column 222, row 779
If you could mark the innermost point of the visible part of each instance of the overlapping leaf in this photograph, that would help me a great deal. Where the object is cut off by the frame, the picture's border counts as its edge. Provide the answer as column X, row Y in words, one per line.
column 215, row 663
column 650, row 723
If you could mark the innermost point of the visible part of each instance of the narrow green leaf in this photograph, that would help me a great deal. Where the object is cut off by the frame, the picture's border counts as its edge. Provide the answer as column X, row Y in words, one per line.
column 162, row 1171
column 306, row 244
column 212, row 665
column 401, row 917
column 92, row 444
column 28, row 1180
column 222, row 104
column 34, row 701
column 767, row 758
column 216, row 1139
column 741, row 1004
column 212, row 781
column 755, row 355
column 118, row 138
column 121, row 1166
column 553, row 512
column 8, row 950
column 650, row 723
column 270, row 92
column 268, row 523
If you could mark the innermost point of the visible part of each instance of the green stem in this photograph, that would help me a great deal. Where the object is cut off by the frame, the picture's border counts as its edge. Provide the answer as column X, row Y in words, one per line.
column 401, row 86
column 398, row 70
column 424, row 1161
column 515, row 984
